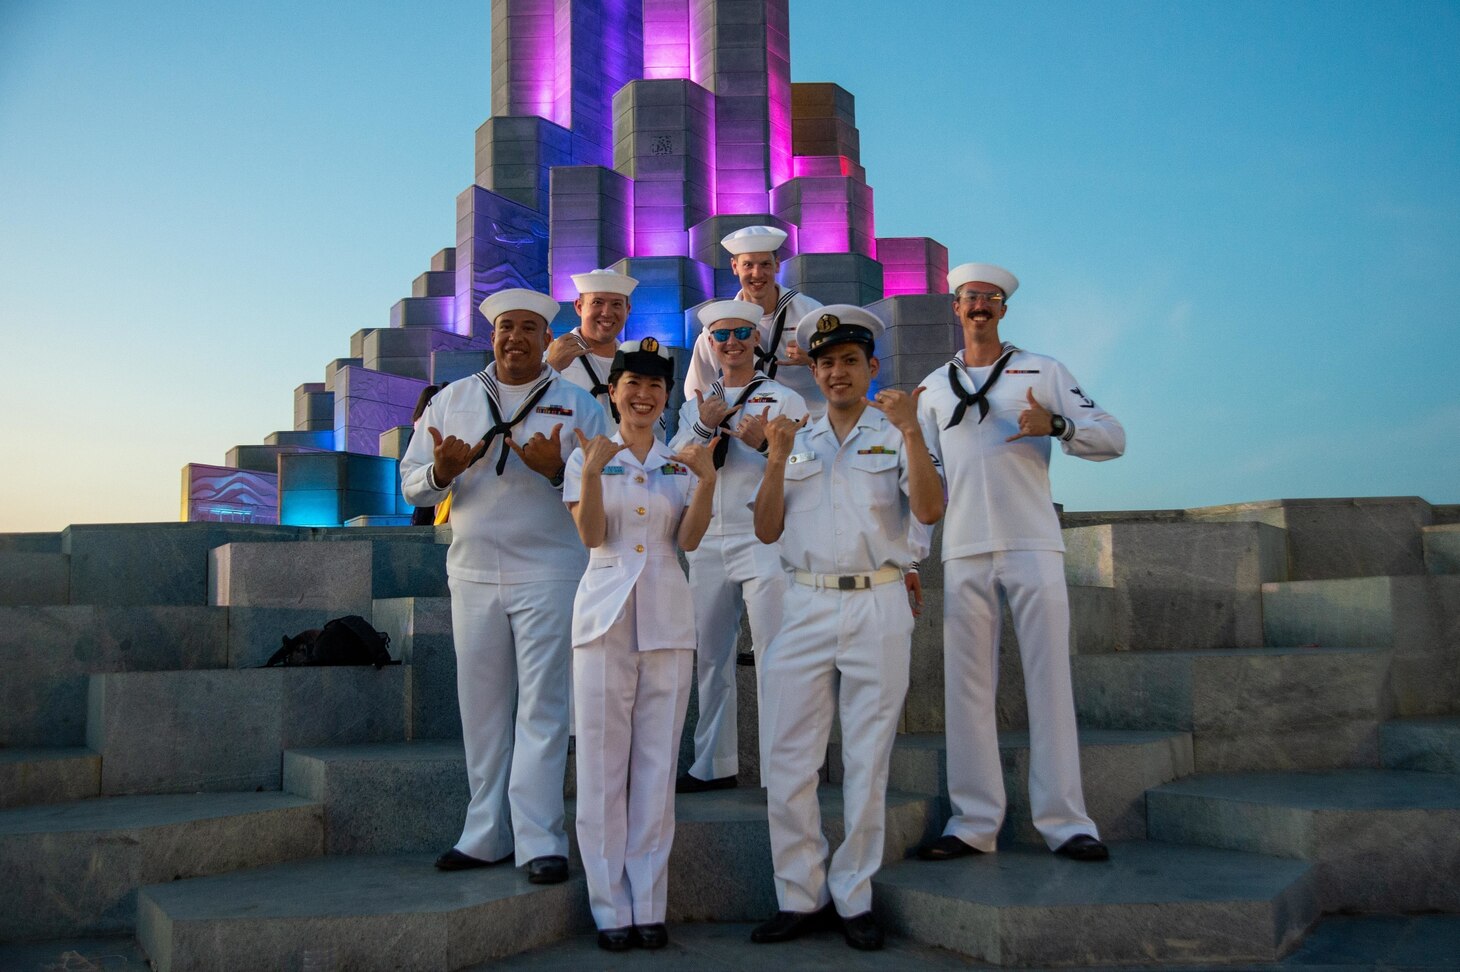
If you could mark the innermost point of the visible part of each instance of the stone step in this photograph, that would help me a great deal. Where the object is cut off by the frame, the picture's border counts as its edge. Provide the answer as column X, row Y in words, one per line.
column 1442, row 548
column 1417, row 616
column 1152, row 902
column 1247, row 708
column 1192, row 584
column 1116, row 768
column 1365, row 536
column 172, row 732
column 73, row 868
column 32, row 577
column 358, row 912
column 1380, row 840
column 48, row 775
column 1431, row 745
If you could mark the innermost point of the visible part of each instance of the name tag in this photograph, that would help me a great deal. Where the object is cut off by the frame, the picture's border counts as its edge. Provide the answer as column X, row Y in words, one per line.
column 674, row 469
column 553, row 410
column 877, row 451
column 613, row 470
column 800, row 457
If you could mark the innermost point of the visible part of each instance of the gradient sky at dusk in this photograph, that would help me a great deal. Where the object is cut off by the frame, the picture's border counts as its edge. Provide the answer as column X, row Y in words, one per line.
column 1237, row 223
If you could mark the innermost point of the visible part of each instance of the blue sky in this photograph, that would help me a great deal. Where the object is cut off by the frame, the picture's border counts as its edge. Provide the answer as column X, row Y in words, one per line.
column 1237, row 223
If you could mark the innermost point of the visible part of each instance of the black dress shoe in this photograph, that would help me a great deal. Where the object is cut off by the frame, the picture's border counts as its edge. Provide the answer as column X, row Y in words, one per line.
column 455, row 860
column 786, row 925
column 945, row 848
column 863, row 932
column 1083, row 847
column 652, row 936
column 693, row 784
column 547, row 870
column 616, row 939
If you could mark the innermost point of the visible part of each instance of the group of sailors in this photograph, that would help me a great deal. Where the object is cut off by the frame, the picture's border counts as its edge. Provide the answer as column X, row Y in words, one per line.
column 796, row 499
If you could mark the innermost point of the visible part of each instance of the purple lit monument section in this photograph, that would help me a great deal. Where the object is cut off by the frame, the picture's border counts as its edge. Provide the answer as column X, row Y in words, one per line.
column 220, row 494
column 523, row 53
column 704, row 246
column 599, row 49
column 369, row 402
column 664, row 142
column 499, row 244
column 833, row 212
column 514, row 157
column 591, row 219
column 912, row 265
column 666, row 39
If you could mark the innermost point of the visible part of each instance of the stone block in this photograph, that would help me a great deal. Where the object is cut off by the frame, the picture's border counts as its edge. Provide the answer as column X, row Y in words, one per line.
column 914, row 265
column 221, row 494
column 1417, row 616
column 832, row 278
column 30, row 542
column 501, row 243
column 408, row 568
column 370, row 913
column 420, row 635
column 1442, row 548
column 34, row 578
column 74, row 868
column 314, row 408
column 1153, row 902
column 324, row 490
column 1430, row 745
column 339, row 364
column 505, row 147
column 322, row 576
column 369, row 402
column 255, row 633
column 379, row 519
column 423, row 311
column 1332, row 538
column 384, row 798
column 1248, row 709
column 705, row 237
column 1380, row 840
column 50, row 775
column 393, row 442
column 48, row 652
column 444, row 259
column 321, row 439
column 226, row 730
column 435, row 283
column 449, row 366
column 265, row 458
column 1180, row 585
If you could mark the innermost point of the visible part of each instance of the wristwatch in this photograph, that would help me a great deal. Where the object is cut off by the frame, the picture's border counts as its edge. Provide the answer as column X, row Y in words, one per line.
column 1058, row 426
column 557, row 481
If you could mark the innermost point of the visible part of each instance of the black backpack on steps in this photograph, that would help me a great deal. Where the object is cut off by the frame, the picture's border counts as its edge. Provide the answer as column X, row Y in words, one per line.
column 342, row 641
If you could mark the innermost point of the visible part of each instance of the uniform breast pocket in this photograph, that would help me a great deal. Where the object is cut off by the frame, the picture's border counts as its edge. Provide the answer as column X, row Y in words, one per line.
column 804, row 484
column 877, row 478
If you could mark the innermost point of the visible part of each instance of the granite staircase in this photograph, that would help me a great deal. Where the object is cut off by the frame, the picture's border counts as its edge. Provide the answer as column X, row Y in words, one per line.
column 1267, row 696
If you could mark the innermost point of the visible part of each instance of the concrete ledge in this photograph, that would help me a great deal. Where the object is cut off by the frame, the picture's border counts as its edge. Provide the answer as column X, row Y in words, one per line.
column 34, row 578
column 1261, row 708
column 1382, row 840
column 420, row 636
column 74, row 868
column 1150, row 903
column 360, row 913
column 317, row 576
column 1442, row 548
column 1430, row 745
column 59, row 775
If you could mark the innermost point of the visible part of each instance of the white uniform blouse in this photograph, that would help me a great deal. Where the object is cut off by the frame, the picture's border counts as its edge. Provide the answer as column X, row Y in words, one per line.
column 642, row 505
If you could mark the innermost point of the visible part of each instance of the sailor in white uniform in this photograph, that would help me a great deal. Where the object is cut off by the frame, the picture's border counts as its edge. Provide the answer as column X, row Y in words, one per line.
column 731, row 567
column 585, row 354
column 755, row 264
column 636, row 505
column 498, row 443
column 840, row 494
column 990, row 415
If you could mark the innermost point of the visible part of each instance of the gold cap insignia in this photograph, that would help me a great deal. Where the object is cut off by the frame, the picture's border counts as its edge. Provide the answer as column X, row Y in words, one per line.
column 649, row 344
column 828, row 322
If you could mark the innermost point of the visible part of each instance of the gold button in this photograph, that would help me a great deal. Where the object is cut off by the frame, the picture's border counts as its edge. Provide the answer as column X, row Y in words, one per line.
column 639, row 548
column 638, row 479
column 640, row 511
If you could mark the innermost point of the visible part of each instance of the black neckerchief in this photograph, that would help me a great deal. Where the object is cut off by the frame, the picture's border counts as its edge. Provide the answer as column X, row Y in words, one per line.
column 979, row 397
column 766, row 360
column 489, row 384
column 722, row 448
column 599, row 388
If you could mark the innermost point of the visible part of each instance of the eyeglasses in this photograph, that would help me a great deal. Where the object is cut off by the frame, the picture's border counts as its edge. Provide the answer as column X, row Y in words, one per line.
column 972, row 296
column 741, row 334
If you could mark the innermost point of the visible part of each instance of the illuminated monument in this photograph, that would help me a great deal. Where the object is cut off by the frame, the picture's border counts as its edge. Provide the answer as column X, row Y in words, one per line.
column 631, row 135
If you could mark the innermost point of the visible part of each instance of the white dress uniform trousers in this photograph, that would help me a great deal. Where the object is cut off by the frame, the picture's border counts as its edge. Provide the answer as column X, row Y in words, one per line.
column 731, row 569
column 1002, row 534
column 847, row 512
column 514, row 562
column 633, row 638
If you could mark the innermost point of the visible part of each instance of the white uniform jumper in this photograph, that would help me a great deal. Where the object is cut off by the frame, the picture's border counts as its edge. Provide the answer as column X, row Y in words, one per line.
column 704, row 367
column 730, row 566
column 590, row 373
column 846, row 512
column 514, row 562
column 633, row 641
column 1002, row 533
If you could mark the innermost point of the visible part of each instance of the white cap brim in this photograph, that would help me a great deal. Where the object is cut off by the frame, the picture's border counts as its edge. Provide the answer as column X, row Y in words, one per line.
column 730, row 310
column 754, row 239
column 519, row 298
column 984, row 273
column 604, row 282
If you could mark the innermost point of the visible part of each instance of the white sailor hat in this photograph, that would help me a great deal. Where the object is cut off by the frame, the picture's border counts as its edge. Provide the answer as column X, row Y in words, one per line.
column 754, row 239
column 730, row 310
column 604, row 282
column 519, row 298
column 645, row 356
column 837, row 324
column 984, row 273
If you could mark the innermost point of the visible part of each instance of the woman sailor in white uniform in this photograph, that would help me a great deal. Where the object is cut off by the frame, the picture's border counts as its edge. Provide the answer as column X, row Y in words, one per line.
column 636, row 505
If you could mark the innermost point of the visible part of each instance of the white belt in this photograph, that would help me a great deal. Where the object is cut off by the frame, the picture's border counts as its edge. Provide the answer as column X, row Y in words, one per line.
column 847, row 582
